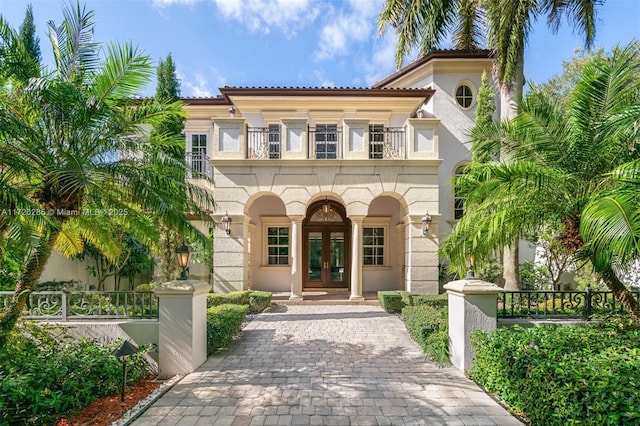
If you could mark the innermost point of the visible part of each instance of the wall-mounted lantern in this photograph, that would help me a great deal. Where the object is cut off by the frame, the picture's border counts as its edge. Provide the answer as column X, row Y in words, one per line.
column 123, row 353
column 426, row 223
column 184, row 253
column 232, row 111
column 226, row 223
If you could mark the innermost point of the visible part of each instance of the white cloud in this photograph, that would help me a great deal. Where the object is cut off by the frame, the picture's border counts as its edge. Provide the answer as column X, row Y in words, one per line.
column 199, row 84
column 260, row 16
column 345, row 27
column 165, row 3
column 383, row 59
column 323, row 79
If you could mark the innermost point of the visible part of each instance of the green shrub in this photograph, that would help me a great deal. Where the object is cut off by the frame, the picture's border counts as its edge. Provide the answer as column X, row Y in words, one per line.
column 43, row 378
column 429, row 327
column 394, row 301
column 391, row 301
column 259, row 301
column 223, row 323
column 435, row 301
column 147, row 287
column 232, row 298
column 589, row 375
column 215, row 299
column 406, row 297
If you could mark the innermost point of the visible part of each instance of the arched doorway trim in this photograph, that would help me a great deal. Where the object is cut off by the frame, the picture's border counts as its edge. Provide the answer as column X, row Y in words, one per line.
column 326, row 248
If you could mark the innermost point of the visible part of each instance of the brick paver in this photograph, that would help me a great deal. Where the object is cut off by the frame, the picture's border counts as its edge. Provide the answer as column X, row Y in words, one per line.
column 325, row 365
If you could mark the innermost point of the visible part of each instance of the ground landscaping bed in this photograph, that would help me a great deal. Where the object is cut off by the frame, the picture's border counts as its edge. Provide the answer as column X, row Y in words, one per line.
column 106, row 410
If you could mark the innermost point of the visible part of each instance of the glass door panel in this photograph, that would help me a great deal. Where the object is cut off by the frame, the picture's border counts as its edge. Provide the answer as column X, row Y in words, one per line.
column 336, row 254
column 315, row 257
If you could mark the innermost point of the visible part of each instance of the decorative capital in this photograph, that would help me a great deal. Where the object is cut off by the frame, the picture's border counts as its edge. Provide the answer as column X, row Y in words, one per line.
column 472, row 286
column 182, row 288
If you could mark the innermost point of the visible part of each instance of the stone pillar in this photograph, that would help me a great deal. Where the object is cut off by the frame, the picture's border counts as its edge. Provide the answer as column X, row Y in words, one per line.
column 421, row 255
column 356, row 258
column 182, row 340
column 230, row 255
column 296, row 258
column 472, row 306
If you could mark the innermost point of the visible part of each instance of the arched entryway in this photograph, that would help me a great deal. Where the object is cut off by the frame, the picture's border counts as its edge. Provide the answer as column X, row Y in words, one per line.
column 326, row 248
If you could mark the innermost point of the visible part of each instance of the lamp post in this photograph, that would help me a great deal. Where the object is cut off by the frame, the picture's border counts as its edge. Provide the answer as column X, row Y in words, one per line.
column 226, row 223
column 122, row 353
column 426, row 223
column 470, row 273
column 184, row 253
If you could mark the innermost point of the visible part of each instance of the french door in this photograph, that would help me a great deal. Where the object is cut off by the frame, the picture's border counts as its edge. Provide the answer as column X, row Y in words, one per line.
column 326, row 257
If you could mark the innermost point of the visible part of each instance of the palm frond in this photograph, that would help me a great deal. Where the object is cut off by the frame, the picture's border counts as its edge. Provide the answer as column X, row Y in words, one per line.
column 610, row 227
column 470, row 28
column 418, row 23
column 123, row 75
column 74, row 51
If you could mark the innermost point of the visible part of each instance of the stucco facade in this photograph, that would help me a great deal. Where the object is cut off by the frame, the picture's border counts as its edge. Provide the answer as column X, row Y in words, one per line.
column 327, row 187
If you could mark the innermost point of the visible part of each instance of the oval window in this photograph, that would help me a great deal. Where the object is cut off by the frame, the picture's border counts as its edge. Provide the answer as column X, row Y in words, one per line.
column 464, row 96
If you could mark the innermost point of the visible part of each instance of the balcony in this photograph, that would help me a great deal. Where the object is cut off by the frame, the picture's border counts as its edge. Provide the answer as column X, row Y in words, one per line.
column 200, row 165
column 263, row 143
column 325, row 142
column 386, row 143
column 294, row 139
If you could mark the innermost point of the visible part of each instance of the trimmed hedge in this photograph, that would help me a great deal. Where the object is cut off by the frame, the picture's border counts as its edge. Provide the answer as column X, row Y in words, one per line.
column 223, row 323
column 231, row 298
column 429, row 327
column 259, row 301
column 391, row 301
column 587, row 375
column 394, row 301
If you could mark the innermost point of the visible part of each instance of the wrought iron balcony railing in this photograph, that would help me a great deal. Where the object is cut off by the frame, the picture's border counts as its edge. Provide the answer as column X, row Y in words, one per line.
column 387, row 143
column 200, row 165
column 325, row 142
column 263, row 143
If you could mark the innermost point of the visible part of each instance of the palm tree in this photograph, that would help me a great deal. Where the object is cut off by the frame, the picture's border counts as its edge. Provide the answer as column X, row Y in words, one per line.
column 505, row 24
column 79, row 153
column 564, row 174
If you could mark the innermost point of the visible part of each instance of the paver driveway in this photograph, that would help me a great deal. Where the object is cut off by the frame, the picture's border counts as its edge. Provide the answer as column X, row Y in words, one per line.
column 325, row 365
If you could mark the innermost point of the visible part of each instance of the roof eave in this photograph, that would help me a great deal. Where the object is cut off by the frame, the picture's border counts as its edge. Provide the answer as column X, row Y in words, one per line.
column 435, row 54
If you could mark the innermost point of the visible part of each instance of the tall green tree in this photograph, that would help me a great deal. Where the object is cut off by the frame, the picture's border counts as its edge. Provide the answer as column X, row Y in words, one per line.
column 168, row 90
column 28, row 35
column 485, row 109
column 503, row 26
column 73, row 140
column 572, row 169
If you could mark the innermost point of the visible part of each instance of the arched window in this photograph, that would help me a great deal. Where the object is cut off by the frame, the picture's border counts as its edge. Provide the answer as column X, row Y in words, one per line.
column 458, row 201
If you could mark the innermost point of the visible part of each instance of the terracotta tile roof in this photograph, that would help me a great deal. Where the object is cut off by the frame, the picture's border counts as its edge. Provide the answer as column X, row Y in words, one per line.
column 229, row 91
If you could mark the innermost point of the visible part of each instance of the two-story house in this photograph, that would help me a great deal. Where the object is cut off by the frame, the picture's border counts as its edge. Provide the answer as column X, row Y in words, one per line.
column 345, row 188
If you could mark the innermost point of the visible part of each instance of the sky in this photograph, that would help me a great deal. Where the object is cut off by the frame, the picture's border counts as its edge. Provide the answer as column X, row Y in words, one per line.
column 312, row 43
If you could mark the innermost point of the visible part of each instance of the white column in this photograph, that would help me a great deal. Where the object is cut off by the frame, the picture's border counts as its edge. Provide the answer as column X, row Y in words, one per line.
column 356, row 258
column 296, row 258
column 182, row 335
column 472, row 306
